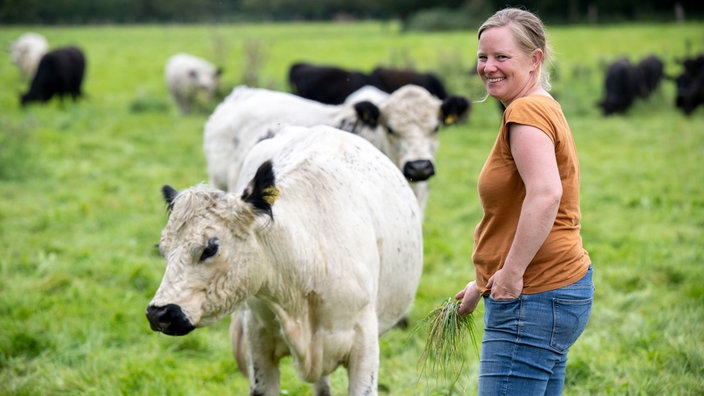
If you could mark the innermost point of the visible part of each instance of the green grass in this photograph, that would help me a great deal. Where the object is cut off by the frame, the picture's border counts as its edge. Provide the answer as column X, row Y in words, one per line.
column 81, row 210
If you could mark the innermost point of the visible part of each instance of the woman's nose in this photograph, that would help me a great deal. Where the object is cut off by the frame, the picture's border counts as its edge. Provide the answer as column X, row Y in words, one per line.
column 489, row 66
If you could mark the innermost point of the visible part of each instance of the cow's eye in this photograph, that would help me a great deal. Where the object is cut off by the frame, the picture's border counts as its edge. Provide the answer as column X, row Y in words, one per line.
column 210, row 250
column 391, row 131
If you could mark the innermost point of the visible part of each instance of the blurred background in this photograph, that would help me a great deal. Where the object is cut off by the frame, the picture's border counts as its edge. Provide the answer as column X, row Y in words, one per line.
column 413, row 14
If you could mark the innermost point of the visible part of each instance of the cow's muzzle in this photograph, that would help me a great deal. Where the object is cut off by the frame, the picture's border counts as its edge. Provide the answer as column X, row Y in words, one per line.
column 169, row 319
column 419, row 170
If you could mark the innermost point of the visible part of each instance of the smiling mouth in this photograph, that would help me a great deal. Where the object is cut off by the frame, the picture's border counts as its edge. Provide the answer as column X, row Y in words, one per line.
column 495, row 80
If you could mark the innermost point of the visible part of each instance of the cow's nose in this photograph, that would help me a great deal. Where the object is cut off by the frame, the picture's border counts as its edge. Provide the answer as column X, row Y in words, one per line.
column 418, row 170
column 169, row 319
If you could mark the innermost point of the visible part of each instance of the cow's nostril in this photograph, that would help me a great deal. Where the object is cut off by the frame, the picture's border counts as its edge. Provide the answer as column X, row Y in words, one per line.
column 419, row 170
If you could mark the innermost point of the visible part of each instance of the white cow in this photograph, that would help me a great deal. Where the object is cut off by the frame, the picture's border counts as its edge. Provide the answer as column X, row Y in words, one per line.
column 27, row 51
column 319, row 248
column 189, row 77
column 403, row 126
column 367, row 92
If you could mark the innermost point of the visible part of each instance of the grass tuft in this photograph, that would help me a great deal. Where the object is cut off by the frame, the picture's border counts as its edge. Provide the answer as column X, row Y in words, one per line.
column 448, row 335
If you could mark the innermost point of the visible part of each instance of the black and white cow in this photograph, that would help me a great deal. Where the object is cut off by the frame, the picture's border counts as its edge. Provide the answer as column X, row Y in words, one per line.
column 404, row 126
column 60, row 72
column 318, row 250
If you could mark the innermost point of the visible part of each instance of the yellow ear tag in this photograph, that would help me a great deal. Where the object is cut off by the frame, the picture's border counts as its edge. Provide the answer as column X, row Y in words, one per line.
column 270, row 194
column 450, row 120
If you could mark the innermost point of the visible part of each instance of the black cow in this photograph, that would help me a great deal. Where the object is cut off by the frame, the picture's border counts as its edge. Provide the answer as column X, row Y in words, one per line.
column 622, row 85
column 389, row 80
column 325, row 84
column 652, row 71
column 690, row 85
column 60, row 72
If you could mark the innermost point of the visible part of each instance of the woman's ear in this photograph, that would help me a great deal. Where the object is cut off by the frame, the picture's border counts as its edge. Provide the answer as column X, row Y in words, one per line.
column 536, row 59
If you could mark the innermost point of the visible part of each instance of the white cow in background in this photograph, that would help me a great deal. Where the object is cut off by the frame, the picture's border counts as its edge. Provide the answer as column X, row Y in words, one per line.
column 319, row 247
column 404, row 126
column 27, row 51
column 189, row 77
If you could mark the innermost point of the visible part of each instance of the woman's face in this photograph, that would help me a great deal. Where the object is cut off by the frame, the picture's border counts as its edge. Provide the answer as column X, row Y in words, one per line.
column 507, row 72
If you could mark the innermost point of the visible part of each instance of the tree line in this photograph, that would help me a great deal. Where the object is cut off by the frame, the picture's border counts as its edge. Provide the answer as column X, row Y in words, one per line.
column 420, row 14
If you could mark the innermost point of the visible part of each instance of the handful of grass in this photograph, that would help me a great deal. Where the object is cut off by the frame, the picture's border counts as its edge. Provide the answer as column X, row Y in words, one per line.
column 447, row 342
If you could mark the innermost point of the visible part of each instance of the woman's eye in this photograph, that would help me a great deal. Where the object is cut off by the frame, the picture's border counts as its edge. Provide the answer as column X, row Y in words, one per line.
column 210, row 250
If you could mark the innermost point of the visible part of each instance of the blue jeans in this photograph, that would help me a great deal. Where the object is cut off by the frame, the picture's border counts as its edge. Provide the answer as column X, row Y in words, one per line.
column 526, row 340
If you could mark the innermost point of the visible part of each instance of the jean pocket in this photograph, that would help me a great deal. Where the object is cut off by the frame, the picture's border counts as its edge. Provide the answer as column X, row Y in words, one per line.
column 570, row 318
column 502, row 315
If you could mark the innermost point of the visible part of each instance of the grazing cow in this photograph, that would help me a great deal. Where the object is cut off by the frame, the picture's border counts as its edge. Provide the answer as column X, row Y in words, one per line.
column 325, row 84
column 318, row 251
column 60, row 72
column 189, row 77
column 621, row 85
column 652, row 71
column 27, row 51
column 404, row 127
column 389, row 80
column 690, row 85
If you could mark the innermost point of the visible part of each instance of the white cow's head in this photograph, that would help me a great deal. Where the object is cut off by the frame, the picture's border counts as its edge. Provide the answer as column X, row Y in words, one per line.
column 409, row 120
column 205, row 79
column 213, row 260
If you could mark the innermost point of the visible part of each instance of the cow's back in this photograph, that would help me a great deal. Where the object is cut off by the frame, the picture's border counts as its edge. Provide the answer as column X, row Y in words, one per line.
column 348, row 199
column 60, row 72
column 247, row 116
column 325, row 84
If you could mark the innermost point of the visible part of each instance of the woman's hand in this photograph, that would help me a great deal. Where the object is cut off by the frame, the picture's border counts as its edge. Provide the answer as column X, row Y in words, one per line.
column 470, row 298
column 505, row 285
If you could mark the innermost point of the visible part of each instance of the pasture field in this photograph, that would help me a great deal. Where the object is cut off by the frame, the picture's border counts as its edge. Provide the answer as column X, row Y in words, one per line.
column 81, row 210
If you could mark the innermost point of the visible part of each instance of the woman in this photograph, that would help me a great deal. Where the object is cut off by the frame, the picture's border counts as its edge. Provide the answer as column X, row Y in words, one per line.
column 530, row 265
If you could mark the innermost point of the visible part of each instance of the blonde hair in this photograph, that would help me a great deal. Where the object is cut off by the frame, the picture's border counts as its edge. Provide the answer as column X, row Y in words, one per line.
column 529, row 32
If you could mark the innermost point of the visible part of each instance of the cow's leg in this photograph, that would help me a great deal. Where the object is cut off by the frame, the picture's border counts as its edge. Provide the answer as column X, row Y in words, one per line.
column 363, row 364
column 322, row 387
column 264, row 350
column 239, row 347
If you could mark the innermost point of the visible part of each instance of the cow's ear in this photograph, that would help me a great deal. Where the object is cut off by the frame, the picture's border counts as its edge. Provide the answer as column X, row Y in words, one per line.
column 453, row 109
column 368, row 113
column 169, row 194
column 262, row 191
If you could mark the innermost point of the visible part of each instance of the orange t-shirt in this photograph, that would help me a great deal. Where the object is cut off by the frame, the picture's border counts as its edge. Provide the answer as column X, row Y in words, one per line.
column 561, row 260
